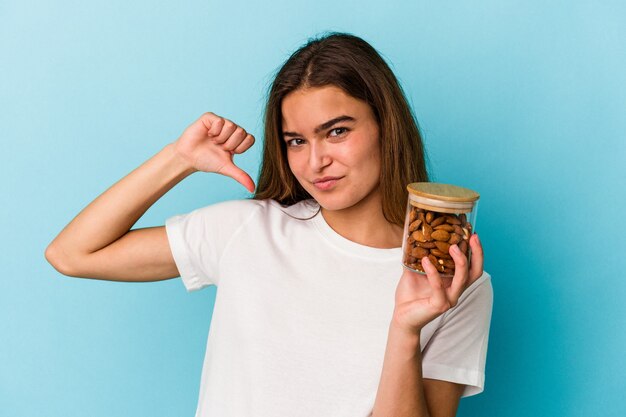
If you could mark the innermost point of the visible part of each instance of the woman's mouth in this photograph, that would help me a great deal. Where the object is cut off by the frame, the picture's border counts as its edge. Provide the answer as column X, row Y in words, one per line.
column 326, row 183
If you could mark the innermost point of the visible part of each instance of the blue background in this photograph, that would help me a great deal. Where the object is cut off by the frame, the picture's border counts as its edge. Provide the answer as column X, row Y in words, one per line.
column 523, row 101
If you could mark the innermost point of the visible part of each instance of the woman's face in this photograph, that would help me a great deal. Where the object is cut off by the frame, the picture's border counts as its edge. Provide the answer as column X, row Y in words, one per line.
column 333, row 146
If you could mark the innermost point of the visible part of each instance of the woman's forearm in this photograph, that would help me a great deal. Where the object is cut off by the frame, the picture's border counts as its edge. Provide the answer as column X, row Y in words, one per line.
column 401, row 391
column 115, row 211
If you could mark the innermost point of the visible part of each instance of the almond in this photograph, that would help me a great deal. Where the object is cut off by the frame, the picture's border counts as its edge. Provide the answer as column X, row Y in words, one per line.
column 452, row 220
column 446, row 227
column 419, row 253
column 427, row 231
column 419, row 236
column 415, row 225
column 455, row 238
column 436, row 252
column 442, row 246
column 438, row 221
column 440, row 235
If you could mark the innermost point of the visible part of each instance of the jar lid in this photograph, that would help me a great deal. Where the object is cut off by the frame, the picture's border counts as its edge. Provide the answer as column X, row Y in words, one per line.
column 443, row 197
column 445, row 192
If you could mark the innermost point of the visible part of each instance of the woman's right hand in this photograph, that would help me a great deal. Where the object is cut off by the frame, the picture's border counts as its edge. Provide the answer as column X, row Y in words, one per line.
column 209, row 144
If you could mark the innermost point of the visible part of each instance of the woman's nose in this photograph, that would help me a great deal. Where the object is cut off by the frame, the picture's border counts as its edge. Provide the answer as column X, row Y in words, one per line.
column 319, row 157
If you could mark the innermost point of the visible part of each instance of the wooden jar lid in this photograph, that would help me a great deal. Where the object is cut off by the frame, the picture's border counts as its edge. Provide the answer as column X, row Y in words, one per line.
column 444, row 192
column 446, row 198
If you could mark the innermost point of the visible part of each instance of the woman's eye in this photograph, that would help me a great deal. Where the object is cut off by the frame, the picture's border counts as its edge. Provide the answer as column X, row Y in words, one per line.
column 294, row 142
column 340, row 129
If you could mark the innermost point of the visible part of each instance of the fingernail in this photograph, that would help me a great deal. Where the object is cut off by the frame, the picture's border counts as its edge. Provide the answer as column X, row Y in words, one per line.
column 455, row 249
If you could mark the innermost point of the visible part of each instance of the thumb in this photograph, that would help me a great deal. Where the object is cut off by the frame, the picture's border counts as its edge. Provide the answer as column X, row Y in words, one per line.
column 239, row 175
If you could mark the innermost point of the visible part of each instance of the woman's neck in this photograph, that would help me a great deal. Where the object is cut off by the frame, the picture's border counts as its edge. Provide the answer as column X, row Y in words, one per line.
column 365, row 223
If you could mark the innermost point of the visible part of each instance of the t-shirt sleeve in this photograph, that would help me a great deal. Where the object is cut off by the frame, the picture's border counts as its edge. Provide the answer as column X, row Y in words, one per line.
column 198, row 239
column 457, row 351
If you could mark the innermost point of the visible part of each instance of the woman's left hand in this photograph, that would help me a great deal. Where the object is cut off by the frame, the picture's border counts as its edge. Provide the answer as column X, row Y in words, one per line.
column 420, row 299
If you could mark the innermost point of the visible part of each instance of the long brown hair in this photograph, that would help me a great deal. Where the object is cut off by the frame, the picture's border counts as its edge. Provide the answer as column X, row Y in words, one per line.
column 350, row 63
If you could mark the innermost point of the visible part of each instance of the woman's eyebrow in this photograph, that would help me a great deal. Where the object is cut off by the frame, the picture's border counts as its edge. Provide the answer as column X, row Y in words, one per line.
column 325, row 125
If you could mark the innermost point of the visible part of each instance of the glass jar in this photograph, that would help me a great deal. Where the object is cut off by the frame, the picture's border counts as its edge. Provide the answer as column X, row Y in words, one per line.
column 437, row 216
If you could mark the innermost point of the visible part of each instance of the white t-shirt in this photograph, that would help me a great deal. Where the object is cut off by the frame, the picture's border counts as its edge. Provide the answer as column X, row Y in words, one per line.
column 302, row 314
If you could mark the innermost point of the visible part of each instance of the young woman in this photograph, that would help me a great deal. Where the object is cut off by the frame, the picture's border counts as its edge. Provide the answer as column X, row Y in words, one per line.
column 314, row 314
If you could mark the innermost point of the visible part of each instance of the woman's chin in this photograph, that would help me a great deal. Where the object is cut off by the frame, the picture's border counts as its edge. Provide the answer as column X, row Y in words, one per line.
column 336, row 201
column 333, row 202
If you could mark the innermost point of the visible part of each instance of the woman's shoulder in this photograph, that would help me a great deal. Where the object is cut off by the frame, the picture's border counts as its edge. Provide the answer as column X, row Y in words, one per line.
column 480, row 288
column 479, row 295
